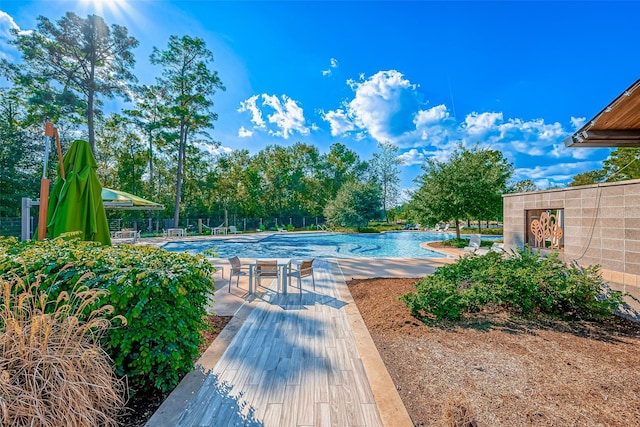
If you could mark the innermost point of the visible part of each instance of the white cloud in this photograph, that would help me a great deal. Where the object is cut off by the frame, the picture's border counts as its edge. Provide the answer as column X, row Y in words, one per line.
column 557, row 174
column 578, row 122
column 212, row 149
column 339, row 122
column 333, row 63
column 288, row 116
column 431, row 116
column 250, row 105
column 244, row 133
column 481, row 123
column 6, row 25
column 384, row 106
column 283, row 114
column 413, row 157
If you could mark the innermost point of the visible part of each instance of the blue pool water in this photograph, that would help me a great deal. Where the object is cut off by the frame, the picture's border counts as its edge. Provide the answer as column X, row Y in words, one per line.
column 404, row 244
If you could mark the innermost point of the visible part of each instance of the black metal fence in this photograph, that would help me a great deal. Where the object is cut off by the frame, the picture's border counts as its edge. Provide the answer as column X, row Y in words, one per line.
column 12, row 226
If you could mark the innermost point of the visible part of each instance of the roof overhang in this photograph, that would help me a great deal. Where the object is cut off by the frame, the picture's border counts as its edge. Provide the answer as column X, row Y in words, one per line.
column 617, row 125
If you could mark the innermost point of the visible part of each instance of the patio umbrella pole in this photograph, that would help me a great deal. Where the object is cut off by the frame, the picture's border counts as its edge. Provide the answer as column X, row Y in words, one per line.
column 50, row 131
column 44, row 185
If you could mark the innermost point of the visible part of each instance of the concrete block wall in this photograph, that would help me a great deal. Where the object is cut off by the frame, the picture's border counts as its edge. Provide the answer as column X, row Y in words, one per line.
column 601, row 225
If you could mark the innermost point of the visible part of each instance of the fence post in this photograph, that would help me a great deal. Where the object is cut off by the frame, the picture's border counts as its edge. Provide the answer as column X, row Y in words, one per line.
column 26, row 213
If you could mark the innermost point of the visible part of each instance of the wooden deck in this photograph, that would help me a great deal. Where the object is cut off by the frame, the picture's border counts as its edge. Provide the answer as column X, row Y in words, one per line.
column 294, row 362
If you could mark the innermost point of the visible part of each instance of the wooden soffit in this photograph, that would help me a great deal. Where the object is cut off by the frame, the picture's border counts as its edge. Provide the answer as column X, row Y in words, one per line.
column 618, row 125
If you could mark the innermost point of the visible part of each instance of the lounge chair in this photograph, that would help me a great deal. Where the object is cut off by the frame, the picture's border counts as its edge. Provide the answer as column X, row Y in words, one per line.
column 234, row 230
column 474, row 243
column 304, row 269
column 221, row 229
column 237, row 269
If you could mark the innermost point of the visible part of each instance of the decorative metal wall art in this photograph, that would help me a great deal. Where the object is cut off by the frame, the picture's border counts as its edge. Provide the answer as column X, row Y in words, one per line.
column 546, row 227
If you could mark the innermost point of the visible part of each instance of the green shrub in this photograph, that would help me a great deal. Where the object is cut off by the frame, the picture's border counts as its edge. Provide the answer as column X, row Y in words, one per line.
column 525, row 283
column 462, row 243
column 489, row 231
column 162, row 295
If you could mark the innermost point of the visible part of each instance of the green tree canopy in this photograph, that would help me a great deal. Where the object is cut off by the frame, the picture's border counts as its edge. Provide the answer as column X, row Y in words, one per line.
column 84, row 56
column 355, row 204
column 523, row 186
column 468, row 186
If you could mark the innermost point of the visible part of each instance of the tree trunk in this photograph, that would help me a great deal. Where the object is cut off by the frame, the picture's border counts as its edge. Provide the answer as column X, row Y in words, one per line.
column 150, row 166
column 457, row 223
column 90, row 125
column 181, row 144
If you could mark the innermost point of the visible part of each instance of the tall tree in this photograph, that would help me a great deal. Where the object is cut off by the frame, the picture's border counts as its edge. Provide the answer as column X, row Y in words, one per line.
column 83, row 55
column 20, row 153
column 523, row 186
column 386, row 173
column 148, row 117
column 355, row 204
column 341, row 165
column 587, row 178
column 469, row 185
column 189, row 87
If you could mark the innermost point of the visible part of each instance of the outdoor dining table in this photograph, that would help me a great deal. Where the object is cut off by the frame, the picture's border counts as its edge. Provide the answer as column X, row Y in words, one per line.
column 283, row 265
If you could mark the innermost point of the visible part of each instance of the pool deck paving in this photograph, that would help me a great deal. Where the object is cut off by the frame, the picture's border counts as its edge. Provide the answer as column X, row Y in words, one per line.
column 300, row 359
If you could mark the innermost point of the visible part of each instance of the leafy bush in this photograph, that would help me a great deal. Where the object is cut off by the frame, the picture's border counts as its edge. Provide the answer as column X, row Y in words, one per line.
column 473, row 230
column 525, row 283
column 461, row 243
column 53, row 370
column 163, row 296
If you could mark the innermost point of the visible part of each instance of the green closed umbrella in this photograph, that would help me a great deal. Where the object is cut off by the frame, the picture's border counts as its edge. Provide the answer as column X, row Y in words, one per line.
column 75, row 204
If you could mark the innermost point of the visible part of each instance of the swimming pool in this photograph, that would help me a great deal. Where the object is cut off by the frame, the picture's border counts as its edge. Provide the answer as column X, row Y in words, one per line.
column 405, row 244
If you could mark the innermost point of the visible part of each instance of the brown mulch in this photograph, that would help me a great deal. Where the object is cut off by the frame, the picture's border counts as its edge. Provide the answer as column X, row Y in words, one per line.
column 143, row 405
column 494, row 370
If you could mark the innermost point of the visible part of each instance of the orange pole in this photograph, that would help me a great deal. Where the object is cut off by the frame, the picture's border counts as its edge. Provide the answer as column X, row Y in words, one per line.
column 43, row 210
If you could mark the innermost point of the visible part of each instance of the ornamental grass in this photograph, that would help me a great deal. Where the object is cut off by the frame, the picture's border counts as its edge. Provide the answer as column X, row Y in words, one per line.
column 52, row 370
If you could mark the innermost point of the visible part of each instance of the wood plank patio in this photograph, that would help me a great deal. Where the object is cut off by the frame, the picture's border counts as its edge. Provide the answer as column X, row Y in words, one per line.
column 293, row 362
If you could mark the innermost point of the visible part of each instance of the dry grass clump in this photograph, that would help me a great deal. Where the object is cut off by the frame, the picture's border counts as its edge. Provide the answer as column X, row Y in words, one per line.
column 457, row 412
column 52, row 370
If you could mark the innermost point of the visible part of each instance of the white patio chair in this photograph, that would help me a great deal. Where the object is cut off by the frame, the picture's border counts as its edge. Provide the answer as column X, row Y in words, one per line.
column 267, row 269
column 237, row 269
column 304, row 269
column 234, row 230
column 474, row 243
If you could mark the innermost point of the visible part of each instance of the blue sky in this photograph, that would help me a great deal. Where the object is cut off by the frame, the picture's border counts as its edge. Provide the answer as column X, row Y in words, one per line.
column 516, row 76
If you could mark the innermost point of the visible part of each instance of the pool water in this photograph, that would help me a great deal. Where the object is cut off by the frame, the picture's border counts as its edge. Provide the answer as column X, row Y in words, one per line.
column 405, row 244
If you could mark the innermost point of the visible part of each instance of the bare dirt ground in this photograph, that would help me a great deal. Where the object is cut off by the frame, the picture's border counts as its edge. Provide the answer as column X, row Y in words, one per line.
column 493, row 370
